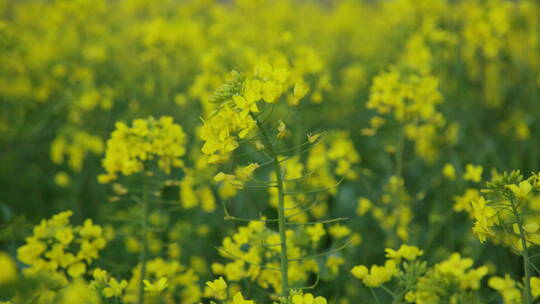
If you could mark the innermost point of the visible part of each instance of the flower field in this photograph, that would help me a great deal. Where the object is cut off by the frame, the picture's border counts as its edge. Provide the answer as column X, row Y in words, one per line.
column 269, row 151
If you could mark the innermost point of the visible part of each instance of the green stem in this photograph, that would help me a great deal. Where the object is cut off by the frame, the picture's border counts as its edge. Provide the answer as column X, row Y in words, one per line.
column 394, row 296
column 399, row 152
column 144, row 242
column 374, row 295
column 399, row 172
column 281, row 208
column 524, row 253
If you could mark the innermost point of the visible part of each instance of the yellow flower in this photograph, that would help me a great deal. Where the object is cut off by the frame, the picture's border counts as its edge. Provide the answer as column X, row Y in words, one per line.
column 156, row 287
column 308, row 299
column 228, row 179
column 64, row 236
column 463, row 202
column 407, row 252
column 9, row 269
column 282, row 129
column 77, row 269
column 79, row 293
column 449, row 171
column 486, row 217
column 263, row 71
column 100, row 275
column 535, row 286
column 531, row 234
column 245, row 105
column 238, row 298
column 338, row 231
column 522, row 190
column 300, row 90
column 333, row 263
column 129, row 147
column 312, row 138
column 245, row 172
column 61, row 179
column 315, row 232
column 218, row 288
column 377, row 275
column 364, row 205
column 473, row 173
column 507, row 288
column 114, row 288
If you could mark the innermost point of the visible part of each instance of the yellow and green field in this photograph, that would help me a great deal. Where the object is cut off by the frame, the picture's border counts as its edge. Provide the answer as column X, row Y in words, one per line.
column 269, row 151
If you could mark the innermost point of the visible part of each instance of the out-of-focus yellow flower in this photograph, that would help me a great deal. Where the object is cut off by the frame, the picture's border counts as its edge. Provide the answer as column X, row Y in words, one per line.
column 535, row 286
column 449, row 171
column 130, row 147
column 114, row 288
column 156, row 287
column 507, row 288
column 377, row 275
column 308, row 298
column 238, row 298
column 405, row 251
column 364, row 205
column 9, row 269
column 473, row 173
column 79, row 292
column 62, row 179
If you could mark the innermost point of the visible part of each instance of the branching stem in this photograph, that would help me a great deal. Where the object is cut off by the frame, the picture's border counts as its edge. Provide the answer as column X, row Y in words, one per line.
column 281, row 207
column 524, row 253
column 144, row 242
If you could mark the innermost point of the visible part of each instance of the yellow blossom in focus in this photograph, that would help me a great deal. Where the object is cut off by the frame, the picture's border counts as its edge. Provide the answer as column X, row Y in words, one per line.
column 486, row 218
column 218, row 288
column 522, row 190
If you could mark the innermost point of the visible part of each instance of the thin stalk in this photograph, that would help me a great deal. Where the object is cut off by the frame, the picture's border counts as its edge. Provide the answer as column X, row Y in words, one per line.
column 281, row 208
column 399, row 172
column 399, row 153
column 144, row 251
column 524, row 253
column 374, row 295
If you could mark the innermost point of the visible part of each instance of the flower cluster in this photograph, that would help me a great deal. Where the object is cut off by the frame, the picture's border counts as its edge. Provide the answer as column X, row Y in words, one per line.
column 59, row 248
column 446, row 281
column 147, row 139
column 434, row 95
column 74, row 145
column 238, row 99
column 507, row 200
column 109, row 286
column 164, row 278
column 394, row 213
column 412, row 100
column 255, row 251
